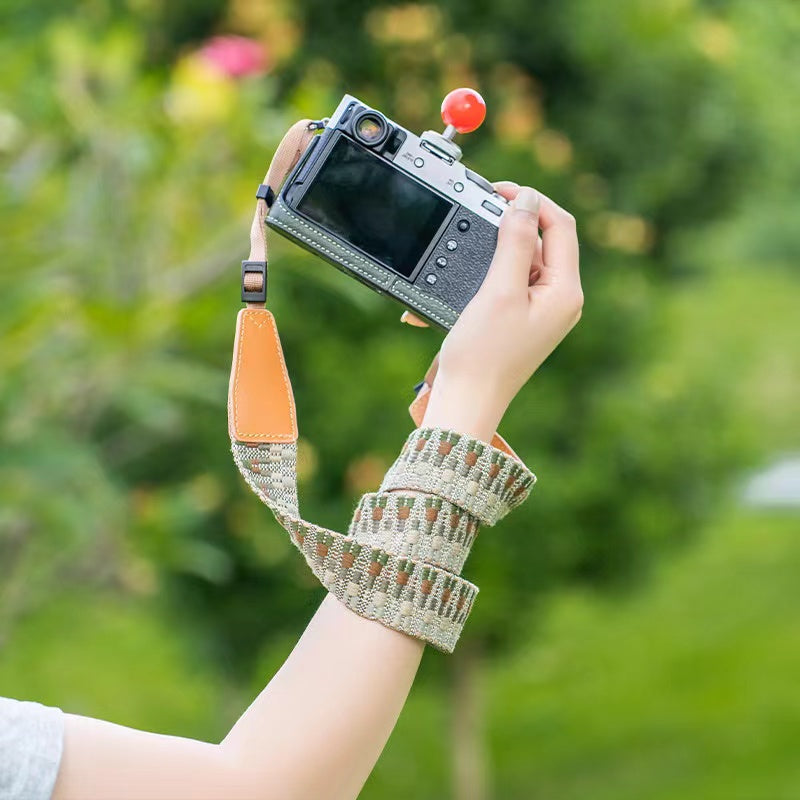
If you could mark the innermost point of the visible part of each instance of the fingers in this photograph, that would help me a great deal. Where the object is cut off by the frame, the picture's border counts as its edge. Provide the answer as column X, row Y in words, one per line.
column 507, row 189
column 517, row 241
column 559, row 256
column 510, row 190
column 559, row 240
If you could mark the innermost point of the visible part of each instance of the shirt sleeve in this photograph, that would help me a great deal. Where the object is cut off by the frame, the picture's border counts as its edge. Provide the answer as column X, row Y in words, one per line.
column 31, row 743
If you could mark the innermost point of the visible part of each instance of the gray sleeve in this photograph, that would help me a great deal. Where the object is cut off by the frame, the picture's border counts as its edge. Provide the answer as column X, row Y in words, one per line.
column 31, row 741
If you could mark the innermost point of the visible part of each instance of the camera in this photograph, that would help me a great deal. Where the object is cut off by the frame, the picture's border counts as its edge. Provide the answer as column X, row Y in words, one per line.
column 396, row 211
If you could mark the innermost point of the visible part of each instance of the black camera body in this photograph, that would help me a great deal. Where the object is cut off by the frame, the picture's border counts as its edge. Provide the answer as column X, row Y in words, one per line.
column 396, row 211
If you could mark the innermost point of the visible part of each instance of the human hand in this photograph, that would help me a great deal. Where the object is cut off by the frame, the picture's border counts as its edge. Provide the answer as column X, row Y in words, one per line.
column 529, row 301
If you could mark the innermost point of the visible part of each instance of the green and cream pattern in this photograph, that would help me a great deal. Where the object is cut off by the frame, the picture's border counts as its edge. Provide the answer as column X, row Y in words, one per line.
column 400, row 561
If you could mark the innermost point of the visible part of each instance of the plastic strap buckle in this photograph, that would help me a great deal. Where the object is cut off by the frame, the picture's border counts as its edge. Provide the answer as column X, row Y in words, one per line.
column 251, row 268
column 266, row 194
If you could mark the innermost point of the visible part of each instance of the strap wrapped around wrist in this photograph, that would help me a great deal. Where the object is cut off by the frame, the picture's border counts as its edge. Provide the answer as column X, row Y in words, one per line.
column 407, row 594
column 423, row 527
column 472, row 474
column 400, row 573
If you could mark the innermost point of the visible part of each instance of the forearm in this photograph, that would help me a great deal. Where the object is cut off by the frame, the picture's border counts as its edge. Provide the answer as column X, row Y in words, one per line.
column 340, row 692
column 316, row 730
column 326, row 715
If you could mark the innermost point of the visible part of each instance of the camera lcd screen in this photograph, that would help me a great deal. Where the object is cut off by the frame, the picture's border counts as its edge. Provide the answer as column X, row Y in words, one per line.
column 374, row 206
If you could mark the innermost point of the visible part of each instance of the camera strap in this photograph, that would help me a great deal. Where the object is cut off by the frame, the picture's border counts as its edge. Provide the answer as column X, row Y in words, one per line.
column 262, row 421
column 273, row 393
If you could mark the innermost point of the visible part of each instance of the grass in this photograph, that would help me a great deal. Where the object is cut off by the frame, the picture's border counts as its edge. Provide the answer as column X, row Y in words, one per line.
column 688, row 689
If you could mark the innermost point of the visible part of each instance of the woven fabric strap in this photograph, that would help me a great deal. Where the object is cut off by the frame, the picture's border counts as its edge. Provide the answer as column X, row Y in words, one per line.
column 424, row 527
column 394, row 588
column 483, row 480
column 399, row 562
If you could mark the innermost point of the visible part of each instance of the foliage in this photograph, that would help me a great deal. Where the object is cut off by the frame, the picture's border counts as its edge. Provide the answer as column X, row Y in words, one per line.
column 129, row 163
column 685, row 691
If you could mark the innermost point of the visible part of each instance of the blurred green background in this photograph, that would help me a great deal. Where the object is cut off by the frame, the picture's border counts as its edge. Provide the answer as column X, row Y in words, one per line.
column 638, row 629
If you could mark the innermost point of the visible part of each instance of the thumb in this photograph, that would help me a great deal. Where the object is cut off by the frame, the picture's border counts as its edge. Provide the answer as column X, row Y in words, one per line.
column 516, row 242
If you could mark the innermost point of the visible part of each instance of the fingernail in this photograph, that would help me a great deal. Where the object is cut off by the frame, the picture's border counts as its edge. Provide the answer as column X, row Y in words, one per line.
column 527, row 200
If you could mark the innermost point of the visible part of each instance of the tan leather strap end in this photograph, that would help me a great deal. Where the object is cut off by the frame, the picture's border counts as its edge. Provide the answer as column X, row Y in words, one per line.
column 260, row 398
column 420, row 403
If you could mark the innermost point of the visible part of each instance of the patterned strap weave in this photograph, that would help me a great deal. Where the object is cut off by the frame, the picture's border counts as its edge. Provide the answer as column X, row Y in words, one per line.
column 371, row 573
column 473, row 475
column 423, row 527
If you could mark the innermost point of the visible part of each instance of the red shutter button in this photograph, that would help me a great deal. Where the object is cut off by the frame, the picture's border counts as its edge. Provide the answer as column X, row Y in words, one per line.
column 463, row 109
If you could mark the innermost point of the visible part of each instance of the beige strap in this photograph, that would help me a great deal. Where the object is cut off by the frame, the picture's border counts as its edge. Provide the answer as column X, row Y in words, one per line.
column 290, row 149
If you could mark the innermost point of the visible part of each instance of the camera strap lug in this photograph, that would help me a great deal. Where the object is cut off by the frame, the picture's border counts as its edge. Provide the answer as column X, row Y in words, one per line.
column 266, row 194
column 254, row 267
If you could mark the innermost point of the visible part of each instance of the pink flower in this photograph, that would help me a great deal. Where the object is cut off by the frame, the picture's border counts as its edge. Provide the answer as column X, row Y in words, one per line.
column 235, row 56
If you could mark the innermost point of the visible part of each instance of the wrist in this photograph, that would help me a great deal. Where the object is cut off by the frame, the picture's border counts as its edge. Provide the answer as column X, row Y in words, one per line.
column 463, row 408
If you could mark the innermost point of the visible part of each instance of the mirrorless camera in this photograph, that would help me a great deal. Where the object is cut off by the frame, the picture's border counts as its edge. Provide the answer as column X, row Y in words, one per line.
column 398, row 212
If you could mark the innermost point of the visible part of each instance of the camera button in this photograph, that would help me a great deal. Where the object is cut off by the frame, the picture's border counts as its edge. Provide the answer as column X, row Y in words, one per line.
column 431, row 279
column 458, row 186
column 492, row 207
column 419, row 162
column 452, row 244
column 463, row 225
column 441, row 261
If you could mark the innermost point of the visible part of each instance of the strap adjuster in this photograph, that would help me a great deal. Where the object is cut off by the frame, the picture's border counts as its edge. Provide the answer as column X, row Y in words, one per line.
column 266, row 194
column 253, row 289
